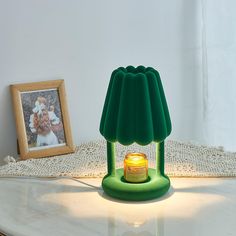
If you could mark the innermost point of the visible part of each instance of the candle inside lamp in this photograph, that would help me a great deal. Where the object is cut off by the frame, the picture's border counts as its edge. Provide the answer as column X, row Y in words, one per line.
column 135, row 167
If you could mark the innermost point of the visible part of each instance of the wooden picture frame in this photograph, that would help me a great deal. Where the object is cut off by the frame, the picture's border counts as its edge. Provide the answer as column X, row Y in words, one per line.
column 42, row 119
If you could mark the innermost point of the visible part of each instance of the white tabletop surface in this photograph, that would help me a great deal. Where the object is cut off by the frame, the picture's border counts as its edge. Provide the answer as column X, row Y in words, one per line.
column 192, row 207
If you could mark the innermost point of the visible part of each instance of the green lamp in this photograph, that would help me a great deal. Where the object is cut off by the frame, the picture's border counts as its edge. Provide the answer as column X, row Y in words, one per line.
column 135, row 110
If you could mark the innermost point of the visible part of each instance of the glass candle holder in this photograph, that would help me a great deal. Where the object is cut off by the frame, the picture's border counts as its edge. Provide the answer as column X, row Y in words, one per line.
column 135, row 167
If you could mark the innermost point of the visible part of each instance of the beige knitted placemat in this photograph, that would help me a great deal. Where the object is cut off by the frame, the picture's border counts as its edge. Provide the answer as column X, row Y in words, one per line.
column 89, row 160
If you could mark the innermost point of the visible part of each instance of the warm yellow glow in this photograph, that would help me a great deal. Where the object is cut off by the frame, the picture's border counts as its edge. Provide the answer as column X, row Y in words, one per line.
column 202, row 197
column 135, row 167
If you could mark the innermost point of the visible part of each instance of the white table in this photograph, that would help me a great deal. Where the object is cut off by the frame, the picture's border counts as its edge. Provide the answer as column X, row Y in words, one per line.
column 193, row 207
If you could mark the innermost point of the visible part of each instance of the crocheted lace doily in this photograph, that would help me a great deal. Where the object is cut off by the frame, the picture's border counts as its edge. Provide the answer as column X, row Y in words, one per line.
column 89, row 160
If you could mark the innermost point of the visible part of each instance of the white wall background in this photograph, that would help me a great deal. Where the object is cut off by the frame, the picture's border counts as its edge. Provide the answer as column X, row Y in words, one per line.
column 83, row 41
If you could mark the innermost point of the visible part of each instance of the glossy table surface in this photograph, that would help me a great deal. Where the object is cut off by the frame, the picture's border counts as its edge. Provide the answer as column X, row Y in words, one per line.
column 192, row 207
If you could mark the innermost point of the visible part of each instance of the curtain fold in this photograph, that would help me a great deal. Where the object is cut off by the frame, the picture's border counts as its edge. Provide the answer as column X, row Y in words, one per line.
column 219, row 72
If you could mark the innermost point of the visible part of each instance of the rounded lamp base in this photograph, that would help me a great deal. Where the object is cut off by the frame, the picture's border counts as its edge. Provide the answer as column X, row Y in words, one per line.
column 116, row 186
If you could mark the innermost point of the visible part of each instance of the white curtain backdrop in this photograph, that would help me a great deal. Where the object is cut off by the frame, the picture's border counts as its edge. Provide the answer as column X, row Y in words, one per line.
column 219, row 72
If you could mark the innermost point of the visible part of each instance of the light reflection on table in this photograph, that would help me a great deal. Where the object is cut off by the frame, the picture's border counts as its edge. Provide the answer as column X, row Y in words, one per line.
column 70, row 207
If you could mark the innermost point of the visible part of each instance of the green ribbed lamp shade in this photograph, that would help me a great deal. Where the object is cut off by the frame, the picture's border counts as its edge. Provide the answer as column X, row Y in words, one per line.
column 135, row 108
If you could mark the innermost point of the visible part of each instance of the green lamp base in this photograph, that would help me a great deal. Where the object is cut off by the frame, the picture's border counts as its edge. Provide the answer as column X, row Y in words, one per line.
column 117, row 187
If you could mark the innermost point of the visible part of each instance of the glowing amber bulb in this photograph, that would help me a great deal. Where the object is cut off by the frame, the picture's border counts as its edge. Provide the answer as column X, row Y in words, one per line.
column 135, row 167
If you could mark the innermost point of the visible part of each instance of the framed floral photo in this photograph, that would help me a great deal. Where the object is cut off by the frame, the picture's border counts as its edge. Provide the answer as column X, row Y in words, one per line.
column 42, row 119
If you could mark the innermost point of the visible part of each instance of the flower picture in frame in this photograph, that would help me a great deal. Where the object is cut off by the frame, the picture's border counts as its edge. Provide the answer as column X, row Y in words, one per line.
column 42, row 119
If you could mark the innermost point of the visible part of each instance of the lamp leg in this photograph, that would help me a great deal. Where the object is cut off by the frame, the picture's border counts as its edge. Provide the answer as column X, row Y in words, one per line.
column 160, row 158
column 111, row 168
